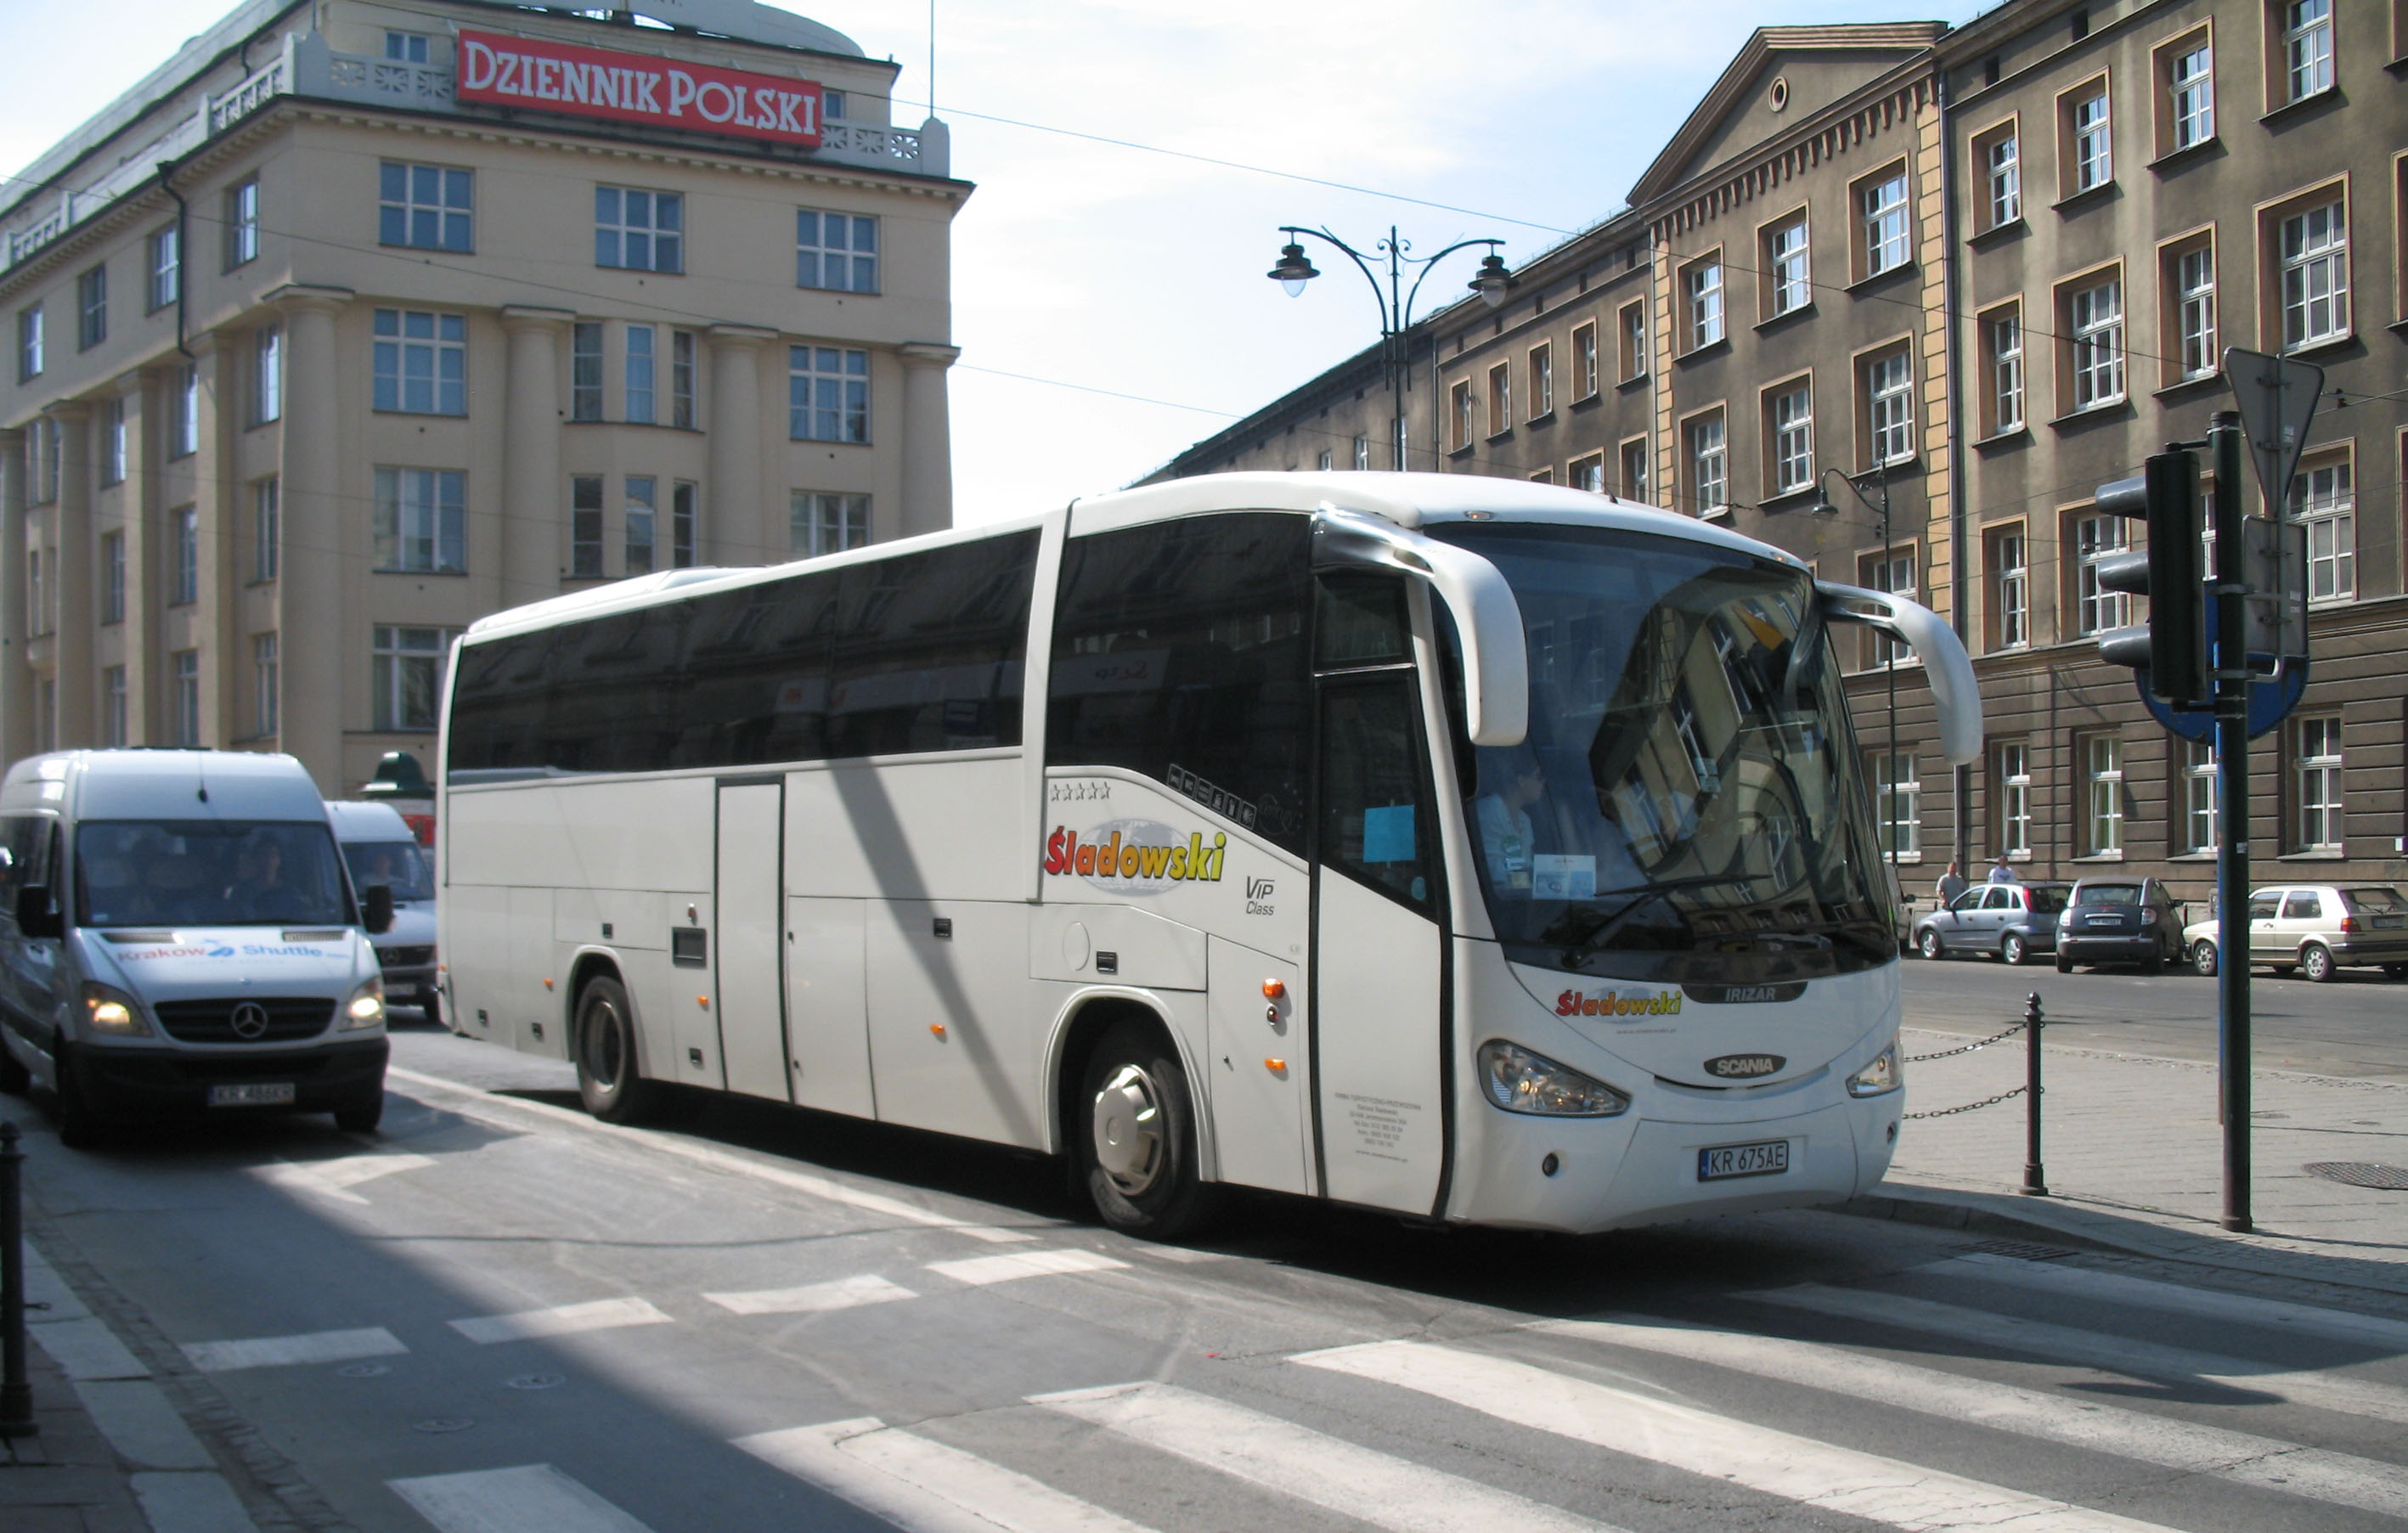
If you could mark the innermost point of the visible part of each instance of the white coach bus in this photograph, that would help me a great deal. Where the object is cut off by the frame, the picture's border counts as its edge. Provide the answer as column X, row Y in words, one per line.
column 1476, row 849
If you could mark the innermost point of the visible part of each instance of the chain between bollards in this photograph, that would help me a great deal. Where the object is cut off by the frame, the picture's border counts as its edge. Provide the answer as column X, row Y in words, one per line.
column 16, row 1394
column 2035, row 1181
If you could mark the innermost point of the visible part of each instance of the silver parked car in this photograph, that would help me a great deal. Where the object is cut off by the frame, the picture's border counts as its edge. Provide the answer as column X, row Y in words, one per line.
column 2012, row 920
column 2316, row 929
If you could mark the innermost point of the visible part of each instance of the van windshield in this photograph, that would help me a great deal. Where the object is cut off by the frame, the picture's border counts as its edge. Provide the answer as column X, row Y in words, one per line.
column 400, row 865
column 208, row 873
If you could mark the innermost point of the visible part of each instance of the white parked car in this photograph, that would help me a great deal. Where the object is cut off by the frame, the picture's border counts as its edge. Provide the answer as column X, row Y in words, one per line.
column 2316, row 929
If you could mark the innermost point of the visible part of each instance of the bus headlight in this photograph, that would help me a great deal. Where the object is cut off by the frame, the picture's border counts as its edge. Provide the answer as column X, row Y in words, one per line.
column 366, row 1008
column 1519, row 1080
column 113, row 1011
column 1880, row 1077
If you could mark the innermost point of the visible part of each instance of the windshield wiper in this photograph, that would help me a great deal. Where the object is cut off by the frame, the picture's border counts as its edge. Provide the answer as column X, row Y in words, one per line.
column 1609, row 922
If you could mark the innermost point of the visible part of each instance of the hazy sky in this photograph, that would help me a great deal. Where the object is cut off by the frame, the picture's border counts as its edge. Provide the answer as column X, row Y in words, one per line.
column 1140, row 273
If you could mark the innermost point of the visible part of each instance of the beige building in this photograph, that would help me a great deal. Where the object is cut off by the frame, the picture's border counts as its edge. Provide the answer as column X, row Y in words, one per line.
column 356, row 321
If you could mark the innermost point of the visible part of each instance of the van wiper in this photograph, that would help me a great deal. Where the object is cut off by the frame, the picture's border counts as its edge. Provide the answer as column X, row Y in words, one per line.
column 1604, row 924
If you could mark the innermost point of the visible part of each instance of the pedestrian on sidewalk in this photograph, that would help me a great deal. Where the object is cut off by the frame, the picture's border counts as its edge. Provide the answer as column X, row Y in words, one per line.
column 2000, row 872
column 1952, row 884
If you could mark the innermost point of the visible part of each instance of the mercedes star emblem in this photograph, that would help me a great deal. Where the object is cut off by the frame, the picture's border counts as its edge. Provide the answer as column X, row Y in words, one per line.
column 249, row 1021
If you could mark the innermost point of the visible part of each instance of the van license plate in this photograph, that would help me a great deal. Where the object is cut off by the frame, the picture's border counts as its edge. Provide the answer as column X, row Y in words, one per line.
column 252, row 1093
column 1770, row 1158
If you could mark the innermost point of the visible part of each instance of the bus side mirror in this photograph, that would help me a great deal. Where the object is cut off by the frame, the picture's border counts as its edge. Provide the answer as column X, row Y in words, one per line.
column 1487, row 619
column 375, row 903
column 34, row 917
column 1946, row 664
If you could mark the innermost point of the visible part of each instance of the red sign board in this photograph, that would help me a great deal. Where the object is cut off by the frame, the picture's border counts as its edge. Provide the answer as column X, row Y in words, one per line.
column 637, row 88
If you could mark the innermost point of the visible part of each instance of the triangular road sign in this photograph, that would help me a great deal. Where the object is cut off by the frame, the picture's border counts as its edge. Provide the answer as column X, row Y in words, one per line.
column 2276, row 397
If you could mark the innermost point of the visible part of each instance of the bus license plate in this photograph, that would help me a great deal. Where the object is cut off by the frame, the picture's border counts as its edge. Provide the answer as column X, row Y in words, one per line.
column 1770, row 1158
column 252, row 1093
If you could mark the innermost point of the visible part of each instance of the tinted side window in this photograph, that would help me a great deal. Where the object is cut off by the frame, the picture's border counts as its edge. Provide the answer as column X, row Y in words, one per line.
column 752, row 680
column 1179, row 651
column 928, row 650
column 1375, row 816
column 2262, row 907
column 2302, row 905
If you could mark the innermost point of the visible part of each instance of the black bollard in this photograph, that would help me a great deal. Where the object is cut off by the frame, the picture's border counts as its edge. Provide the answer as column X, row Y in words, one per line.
column 2035, row 1184
column 16, row 1394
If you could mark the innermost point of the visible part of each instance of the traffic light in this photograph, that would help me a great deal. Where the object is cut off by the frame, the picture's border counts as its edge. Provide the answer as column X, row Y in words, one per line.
column 2172, row 649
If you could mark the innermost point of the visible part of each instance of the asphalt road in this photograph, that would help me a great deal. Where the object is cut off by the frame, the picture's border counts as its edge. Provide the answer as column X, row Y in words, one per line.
column 2353, row 1025
column 499, row 1314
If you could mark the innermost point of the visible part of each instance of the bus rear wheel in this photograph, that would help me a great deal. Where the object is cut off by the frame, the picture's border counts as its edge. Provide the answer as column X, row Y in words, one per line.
column 608, row 1081
column 1137, row 1137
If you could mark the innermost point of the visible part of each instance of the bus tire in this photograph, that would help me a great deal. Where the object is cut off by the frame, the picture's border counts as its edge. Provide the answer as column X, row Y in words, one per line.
column 1137, row 1135
column 608, row 1079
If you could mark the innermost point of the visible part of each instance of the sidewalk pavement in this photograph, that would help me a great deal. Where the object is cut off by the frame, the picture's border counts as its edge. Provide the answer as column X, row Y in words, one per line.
column 2134, row 1161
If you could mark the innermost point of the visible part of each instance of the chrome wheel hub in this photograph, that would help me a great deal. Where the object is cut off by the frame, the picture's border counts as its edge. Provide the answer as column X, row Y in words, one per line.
column 1128, row 1130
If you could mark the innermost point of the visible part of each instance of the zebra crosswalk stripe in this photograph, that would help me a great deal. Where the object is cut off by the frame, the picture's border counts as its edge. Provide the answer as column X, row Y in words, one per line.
column 922, row 1485
column 2094, row 1348
column 1346, row 1478
column 523, row 1500
column 2089, row 1284
column 2244, row 1457
column 1777, row 1463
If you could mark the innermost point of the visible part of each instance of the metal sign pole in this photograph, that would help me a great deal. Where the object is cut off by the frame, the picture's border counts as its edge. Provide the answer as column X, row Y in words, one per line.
column 2232, row 811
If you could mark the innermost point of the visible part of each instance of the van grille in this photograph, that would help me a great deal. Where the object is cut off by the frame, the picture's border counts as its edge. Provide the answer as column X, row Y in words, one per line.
column 289, row 1017
column 405, row 957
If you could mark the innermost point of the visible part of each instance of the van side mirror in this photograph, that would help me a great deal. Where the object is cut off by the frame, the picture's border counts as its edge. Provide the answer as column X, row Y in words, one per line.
column 376, row 902
column 34, row 916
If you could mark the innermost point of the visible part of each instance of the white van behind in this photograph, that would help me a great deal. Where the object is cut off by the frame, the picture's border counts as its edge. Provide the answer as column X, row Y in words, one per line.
column 178, row 936
column 381, row 849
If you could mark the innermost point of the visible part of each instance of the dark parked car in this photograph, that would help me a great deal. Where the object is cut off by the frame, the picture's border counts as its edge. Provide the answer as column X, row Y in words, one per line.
column 2012, row 920
column 2119, row 921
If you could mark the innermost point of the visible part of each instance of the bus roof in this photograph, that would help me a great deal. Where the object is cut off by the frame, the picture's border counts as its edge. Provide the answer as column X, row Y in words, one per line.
column 1413, row 501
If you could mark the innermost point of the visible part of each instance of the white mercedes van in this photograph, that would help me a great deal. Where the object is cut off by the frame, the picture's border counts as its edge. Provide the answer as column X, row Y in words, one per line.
column 178, row 936
column 381, row 849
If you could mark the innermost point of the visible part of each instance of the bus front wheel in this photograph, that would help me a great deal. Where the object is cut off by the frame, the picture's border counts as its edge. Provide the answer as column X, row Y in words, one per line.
column 607, row 1077
column 1137, row 1137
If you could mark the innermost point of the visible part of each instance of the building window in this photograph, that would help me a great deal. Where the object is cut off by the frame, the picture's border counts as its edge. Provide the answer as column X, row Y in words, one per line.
column 585, row 527
column 421, row 520
column 2187, row 69
column 827, row 394
column 425, row 207
column 1462, row 414
column 263, row 685
column 45, row 446
column 585, row 370
column 1880, row 207
column 184, row 413
column 421, row 362
column 92, row 308
column 37, row 612
column 266, row 375
column 112, row 577
column 2002, row 369
column 409, row 676
column 1788, row 287
column 681, row 379
column 2306, row 49
column 2191, row 294
column 821, row 523
column 29, row 342
column 681, row 526
column 1709, row 480
column 1632, row 342
column 2323, row 500
column 186, row 664
column 2317, row 784
column 1889, row 409
column 637, row 398
column 406, row 46
column 2195, row 798
column 113, row 441
column 1543, row 381
column 638, row 522
column 115, row 718
column 267, row 517
column 1501, row 399
column 46, row 717
column 2314, row 250
column 1704, row 283
column 1589, row 474
column 1997, row 159
column 639, row 230
column 2089, row 142
column 166, row 266
column 184, row 576
column 2096, row 608
column 836, row 251
column 1327, row 461
column 2009, row 563
column 1362, row 450
column 1584, row 378
column 1897, row 804
column 2095, row 330
column 1634, row 470
column 242, row 222
column 2102, row 775
column 1892, row 570
column 2011, row 770
column 1790, row 427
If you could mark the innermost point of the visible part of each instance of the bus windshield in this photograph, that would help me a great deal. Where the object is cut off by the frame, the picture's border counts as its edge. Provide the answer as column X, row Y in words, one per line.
column 208, row 873
column 1686, row 806
column 399, row 865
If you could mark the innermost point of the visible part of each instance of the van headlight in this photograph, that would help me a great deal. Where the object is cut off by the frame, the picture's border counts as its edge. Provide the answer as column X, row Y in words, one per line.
column 111, row 1010
column 365, row 1009
column 1880, row 1077
column 1519, row 1080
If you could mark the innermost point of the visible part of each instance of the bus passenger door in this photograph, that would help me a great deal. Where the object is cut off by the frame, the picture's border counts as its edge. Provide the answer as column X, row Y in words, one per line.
column 749, row 906
column 1379, row 1030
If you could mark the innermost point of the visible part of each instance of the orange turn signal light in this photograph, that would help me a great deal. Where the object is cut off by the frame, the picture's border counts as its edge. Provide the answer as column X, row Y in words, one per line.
column 1277, row 1066
column 1274, row 989
column 938, row 1028
column 703, row 1001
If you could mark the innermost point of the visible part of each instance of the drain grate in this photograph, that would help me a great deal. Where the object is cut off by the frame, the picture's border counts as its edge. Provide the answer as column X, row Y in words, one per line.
column 2024, row 1250
column 2360, row 1173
